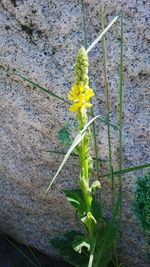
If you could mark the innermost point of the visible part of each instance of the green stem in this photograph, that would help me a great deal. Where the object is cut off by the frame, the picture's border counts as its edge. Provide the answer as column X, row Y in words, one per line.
column 84, row 24
column 90, row 264
column 92, row 113
column 96, row 161
column 92, row 110
column 84, row 176
column 120, row 135
column 107, row 105
column 19, row 250
column 84, row 146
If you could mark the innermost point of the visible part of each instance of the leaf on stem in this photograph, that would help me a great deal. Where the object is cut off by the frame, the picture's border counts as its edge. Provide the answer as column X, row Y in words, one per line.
column 95, row 185
column 80, row 243
column 77, row 140
column 64, row 245
column 76, row 199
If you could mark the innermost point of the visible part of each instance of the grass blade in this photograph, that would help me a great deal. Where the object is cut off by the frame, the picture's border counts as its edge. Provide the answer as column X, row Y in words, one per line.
column 102, row 18
column 77, row 140
column 120, row 103
column 108, row 234
column 84, row 24
column 72, row 155
column 19, row 250
column 34, row 256
column 45, row 90
column 42, row 88
column 102, row 33
column 127, row 170
column 120, row 213
column 105, row 121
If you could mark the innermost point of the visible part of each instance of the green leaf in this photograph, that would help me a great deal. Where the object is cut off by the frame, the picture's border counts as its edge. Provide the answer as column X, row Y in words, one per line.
column 64, row 245
column 90, row 166
column 73, row 154
column 80, row 243
column 96, row 210
column 88, row 219
column 45, row 90
column 19, row 250
column 76, row 199
column 77, row 140
column 95, row 185
column 142, row 202
column 127, row 170
column 102, row 33
column 105, row 245
column 106, row 239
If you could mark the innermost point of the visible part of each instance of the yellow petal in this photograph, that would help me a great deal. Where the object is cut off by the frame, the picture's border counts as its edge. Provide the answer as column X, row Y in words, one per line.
column 70, row 97
column 75, row 86
column 74, row 107
column 89, row 93
column 81, row 89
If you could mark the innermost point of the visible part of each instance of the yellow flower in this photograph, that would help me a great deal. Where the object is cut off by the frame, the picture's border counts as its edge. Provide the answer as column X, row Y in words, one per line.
column 80, row 94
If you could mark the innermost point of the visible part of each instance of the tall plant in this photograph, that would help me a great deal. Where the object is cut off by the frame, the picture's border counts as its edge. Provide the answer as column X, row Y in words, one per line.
column 95, row 245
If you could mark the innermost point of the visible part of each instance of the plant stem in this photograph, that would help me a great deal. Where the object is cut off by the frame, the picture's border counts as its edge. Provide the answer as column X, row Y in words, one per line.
column 107, row 103
column 84, row 24
column 92, row 114
column 90, row 264
column 120, row 135
column 19, row 250
column 84, row 180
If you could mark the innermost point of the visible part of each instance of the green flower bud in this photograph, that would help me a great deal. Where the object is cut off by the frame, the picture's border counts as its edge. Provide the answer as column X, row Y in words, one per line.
column 81, row 67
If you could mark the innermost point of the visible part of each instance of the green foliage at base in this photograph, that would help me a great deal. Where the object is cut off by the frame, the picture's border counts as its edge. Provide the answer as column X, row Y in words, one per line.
column 64, row 245
column 142, row 202
column 77, row 248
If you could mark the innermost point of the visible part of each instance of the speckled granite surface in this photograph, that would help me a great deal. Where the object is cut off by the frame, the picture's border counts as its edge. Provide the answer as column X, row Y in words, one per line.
column 39, row 39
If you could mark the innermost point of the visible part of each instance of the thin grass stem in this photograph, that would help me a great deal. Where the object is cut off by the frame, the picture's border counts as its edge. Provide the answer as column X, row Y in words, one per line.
column 45, row 90
column 102, row 18
column 34, row 256
column 19, row 250
column 120, row 135
column 84, row 24
column 127, row 170
column 73, row 155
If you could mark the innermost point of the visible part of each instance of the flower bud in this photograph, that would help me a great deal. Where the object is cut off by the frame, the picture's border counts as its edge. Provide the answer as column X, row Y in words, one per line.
column 81, row 67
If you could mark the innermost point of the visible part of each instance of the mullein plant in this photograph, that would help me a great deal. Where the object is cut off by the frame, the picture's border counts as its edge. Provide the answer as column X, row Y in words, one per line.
column 94, row 246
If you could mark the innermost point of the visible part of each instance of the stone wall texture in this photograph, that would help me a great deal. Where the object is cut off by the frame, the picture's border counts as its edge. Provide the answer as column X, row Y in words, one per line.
column 39, row 39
